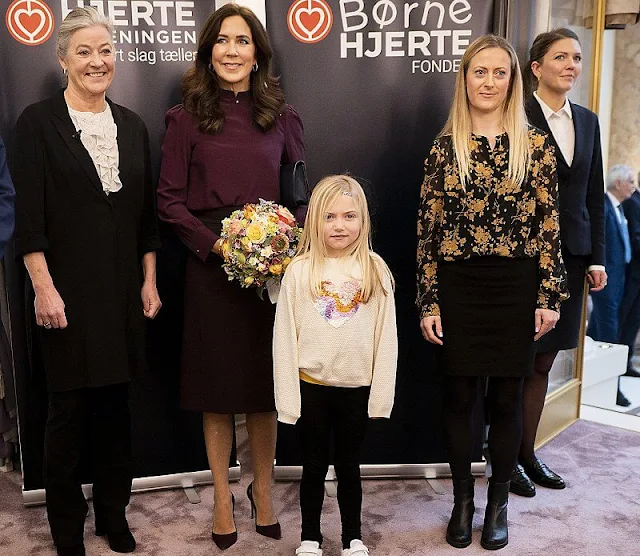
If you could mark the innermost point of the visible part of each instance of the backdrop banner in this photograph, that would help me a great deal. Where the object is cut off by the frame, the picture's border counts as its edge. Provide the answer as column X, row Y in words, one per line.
column 372, row 81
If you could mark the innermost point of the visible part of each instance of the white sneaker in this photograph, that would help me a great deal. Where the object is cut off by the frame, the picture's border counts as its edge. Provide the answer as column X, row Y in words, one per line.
column 356, row 549
column 309, row 548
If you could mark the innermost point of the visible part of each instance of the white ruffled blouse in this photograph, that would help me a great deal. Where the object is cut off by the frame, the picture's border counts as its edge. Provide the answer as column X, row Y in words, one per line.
column 99, row 134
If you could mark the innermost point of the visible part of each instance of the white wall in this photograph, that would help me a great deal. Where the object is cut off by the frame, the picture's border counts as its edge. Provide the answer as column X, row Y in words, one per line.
column 606, row 93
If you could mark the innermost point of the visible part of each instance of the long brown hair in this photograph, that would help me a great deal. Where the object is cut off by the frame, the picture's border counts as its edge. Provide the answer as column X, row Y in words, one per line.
column 200, row 88
column 541, row 45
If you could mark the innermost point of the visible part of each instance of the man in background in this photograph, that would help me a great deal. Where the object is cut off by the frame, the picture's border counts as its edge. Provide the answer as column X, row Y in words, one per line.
column 604, row 320
column 629, row 322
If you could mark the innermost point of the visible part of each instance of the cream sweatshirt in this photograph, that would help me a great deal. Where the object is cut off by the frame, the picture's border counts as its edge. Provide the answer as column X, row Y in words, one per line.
column 334, row 339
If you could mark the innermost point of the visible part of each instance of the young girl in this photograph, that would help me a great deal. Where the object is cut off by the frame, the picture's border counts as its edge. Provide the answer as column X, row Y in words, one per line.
column 334, row 352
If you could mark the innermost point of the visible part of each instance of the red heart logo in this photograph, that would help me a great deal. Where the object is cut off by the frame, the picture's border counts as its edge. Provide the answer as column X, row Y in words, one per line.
column 31, row 23
column 310, row 20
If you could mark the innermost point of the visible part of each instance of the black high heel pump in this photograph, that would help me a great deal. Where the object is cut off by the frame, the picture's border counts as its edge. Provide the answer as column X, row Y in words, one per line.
column 272, row 531
column 225, row 541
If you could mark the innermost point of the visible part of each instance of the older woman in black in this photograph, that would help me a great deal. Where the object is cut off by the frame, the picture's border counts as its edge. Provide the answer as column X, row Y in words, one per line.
column 490, row 275
column 555, row 62
column 86, row 229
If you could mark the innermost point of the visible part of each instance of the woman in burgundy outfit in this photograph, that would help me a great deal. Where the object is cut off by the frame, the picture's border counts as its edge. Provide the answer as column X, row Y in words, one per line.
column 223, row 148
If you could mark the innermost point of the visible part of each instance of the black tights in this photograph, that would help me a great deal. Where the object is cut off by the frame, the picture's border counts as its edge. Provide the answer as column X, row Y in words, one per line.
column 504, row 399
column 534, row 394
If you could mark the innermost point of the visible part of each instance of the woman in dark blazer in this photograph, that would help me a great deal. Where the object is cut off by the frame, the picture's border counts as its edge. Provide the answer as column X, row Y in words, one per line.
column 86, row 229
column 554, row 65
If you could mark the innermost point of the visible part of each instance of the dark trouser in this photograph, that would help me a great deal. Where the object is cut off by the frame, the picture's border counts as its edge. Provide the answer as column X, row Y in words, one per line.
column 343, row 412
column 629, row 324
column 504, row 401
column 98, row 418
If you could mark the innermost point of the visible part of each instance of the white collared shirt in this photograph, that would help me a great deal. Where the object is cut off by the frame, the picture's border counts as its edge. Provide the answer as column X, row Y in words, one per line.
column 561, row 125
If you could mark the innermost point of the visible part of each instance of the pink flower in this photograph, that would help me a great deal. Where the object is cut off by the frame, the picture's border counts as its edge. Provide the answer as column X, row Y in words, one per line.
column 286, row 216
column 235, row 227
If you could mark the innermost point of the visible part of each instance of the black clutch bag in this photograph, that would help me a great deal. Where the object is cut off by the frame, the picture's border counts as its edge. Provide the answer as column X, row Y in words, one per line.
column 294, row 186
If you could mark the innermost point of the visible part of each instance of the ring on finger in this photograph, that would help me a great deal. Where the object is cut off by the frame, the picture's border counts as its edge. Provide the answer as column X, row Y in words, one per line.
column 47, row 324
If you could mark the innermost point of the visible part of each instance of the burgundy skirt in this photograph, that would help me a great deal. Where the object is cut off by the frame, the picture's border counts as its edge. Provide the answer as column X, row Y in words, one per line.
column 227, row 365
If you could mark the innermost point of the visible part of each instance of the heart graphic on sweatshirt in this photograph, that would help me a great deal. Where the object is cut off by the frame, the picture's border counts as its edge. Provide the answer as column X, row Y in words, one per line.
column 339, row 303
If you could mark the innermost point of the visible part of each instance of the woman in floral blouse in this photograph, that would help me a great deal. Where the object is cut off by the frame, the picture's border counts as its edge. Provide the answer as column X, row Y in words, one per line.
column 490, row 273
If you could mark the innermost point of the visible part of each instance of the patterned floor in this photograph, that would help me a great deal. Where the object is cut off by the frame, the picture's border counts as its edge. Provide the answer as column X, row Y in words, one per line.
column 596, row 515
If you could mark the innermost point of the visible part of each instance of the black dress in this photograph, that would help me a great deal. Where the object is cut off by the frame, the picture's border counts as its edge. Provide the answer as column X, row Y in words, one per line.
column 488, row 255
column 226, row 365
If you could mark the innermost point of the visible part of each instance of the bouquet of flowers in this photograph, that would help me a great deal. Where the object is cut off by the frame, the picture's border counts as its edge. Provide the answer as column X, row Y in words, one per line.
column 258, row 242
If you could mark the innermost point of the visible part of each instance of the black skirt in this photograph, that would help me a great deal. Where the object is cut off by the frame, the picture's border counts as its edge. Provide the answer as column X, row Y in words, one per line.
column 227, row 366
column 565, row 334
column 488, row 316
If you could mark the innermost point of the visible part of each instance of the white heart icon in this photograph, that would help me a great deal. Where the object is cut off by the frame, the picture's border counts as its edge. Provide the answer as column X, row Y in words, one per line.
column 310, row 12
column 30, row 13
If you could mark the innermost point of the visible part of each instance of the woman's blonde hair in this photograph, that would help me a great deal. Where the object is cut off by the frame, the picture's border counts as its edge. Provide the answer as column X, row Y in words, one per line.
column 514, row 118
column 312, row 245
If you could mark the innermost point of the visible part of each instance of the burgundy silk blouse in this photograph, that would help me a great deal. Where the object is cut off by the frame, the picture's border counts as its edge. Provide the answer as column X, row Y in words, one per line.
column 237, row 165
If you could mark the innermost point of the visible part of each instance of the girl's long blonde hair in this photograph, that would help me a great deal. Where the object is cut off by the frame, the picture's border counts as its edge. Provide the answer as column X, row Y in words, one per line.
column 312, row 245
column 514, row 118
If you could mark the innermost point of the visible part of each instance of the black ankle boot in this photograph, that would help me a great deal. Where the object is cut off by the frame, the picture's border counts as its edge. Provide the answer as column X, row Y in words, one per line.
column 119, row 541
column 459, row 528
column 495, row 534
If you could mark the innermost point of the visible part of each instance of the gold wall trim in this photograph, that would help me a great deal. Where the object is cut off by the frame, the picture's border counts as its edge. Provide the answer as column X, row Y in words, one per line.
column 561, row 410
column 561, row 391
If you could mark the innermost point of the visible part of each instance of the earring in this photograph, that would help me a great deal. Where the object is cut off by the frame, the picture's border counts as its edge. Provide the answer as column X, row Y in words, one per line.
column 210, row 68
column 64, row 71
column 255, row 67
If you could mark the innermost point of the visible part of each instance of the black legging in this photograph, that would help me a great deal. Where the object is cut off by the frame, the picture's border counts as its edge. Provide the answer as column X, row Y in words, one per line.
column 341, row 413
column 504, row 400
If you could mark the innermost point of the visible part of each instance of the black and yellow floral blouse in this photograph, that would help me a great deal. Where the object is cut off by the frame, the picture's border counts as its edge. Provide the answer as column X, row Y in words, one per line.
column 494, row 216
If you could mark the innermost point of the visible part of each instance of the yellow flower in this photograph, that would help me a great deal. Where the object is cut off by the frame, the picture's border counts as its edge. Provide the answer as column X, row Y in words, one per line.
column 246, row 243
column 225, row 249
column 256, row 233
column 248, row 280
column 275, row 269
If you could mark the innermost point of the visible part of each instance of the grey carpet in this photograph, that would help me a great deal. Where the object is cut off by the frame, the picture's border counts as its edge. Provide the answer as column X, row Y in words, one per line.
column 598, row 514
